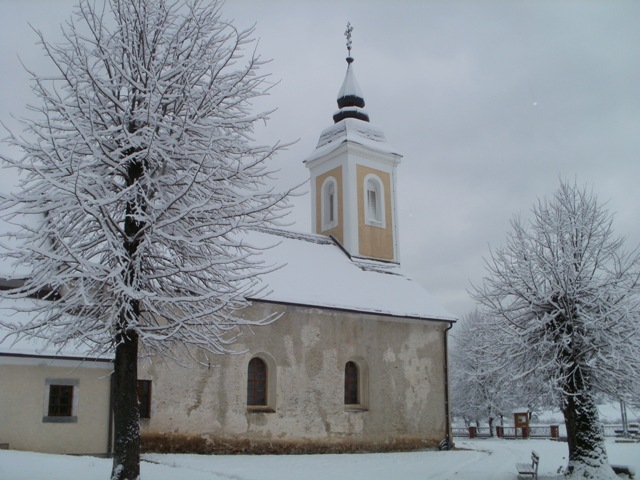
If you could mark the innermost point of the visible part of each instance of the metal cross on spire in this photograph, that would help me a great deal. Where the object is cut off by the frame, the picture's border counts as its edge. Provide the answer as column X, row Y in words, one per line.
column 347, row 33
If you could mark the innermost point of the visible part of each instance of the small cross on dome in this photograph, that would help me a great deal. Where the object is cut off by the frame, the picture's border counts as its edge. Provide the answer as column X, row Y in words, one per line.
column 347, row 33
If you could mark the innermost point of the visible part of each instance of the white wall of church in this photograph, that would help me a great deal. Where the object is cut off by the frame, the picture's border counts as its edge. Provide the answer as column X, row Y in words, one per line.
column 403, row 401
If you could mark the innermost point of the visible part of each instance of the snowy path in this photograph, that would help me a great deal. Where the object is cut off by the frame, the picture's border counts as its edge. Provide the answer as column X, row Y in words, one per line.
column 473, row 460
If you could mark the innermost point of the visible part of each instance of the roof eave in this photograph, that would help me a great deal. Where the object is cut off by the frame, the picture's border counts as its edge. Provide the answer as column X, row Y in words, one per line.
column 356, row 310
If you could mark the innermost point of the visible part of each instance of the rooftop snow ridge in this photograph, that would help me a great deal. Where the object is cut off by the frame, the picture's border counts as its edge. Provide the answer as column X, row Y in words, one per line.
column 354, row 131
column 307, row 237
column 352, row 127
column 370, row 265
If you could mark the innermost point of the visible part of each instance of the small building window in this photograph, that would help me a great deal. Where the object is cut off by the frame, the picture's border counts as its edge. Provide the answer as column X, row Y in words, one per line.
column 329, row 203
column 351, row 384
column 60, row 400
column 257, row 383
column 144, row 398
column 374, row 201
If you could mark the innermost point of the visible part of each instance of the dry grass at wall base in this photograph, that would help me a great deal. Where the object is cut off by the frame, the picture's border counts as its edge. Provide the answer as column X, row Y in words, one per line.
column 197, row 444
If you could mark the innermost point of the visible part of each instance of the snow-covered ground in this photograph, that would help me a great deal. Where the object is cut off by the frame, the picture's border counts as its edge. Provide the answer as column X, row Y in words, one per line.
column 472, row 460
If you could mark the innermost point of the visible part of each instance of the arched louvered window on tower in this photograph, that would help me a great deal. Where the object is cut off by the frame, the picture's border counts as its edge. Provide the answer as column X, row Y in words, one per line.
column 329, row 203
column 374, row 204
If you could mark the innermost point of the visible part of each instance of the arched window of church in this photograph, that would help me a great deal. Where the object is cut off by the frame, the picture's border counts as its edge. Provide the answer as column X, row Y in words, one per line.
column 351, row 384
column 329, row 203
column 374, row 201
column 257, row 382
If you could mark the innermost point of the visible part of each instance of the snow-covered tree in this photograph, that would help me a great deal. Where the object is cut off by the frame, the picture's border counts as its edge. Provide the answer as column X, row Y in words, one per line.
column 140, row 162
column 479, row 389
column 563, row 296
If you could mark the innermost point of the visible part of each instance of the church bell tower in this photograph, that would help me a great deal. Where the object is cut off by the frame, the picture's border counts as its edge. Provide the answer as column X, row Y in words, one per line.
column 353, row 178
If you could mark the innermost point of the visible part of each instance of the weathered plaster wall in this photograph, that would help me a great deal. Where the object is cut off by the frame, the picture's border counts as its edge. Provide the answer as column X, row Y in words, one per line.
column 405, row 402
column 23, row 405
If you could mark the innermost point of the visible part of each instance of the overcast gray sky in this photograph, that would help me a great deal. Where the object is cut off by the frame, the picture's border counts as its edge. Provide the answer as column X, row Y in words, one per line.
column 490, row 102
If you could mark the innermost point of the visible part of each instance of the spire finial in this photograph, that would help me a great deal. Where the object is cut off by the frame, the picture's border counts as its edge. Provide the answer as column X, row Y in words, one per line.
column 347, row 33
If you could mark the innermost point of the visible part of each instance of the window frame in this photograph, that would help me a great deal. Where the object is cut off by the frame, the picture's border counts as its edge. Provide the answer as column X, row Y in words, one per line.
column 60, row 401
column 362, row 386
column 374, row 215
column 329, row 203
column 257, row 383
column 52, row 395
column 144, row 392
column 351, row 383
column 270, row 386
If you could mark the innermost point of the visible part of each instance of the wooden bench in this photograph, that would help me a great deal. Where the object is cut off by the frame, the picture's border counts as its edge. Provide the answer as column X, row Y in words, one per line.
column 525, row 469
column 627, row 470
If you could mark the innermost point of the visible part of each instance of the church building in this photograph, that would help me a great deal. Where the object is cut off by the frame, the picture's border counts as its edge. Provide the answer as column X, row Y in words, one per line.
column 356, row 359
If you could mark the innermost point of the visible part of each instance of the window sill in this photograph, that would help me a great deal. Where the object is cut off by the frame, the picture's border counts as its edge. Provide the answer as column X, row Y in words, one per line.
column 329, row 226
column 355, row 408
column 374, row 223
column 72, row 419
column 259, row 409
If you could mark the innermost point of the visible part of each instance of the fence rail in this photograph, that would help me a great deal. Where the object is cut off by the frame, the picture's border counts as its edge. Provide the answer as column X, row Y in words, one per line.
column 538, row 431
column 633, row 430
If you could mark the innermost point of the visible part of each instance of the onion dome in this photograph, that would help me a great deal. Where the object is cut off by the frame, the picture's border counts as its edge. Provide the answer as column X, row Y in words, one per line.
column 350, row 98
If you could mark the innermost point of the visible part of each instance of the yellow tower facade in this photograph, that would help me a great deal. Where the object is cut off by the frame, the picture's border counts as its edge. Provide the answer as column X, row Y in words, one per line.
column 353, row 180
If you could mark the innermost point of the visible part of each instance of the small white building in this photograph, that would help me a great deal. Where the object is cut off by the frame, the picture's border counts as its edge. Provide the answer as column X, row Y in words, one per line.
column 52, row 401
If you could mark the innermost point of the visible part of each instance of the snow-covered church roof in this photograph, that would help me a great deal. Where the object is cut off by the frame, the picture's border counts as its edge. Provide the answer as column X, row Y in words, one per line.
column 312, row 270
column 315, row 271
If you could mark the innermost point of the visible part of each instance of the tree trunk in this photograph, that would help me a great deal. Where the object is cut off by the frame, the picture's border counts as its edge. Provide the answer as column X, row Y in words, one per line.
column 587, row 453
column 126, row 449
